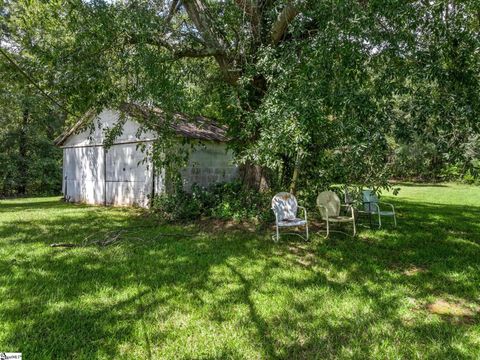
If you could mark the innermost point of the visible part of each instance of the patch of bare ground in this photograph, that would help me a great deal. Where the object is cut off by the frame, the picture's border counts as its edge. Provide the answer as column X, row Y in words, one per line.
column 302, row 254
column 456, row 311
column 408, row 269
column 210, row 225
column 414, row 270
column 217, row 225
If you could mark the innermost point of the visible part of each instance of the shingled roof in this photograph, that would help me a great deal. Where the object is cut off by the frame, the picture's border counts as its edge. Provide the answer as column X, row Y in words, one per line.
column 192, row 127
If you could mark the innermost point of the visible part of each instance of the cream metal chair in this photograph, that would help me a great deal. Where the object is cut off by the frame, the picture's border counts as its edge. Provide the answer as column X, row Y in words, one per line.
column 285, row 206
column 329, row 205
column 371, row 206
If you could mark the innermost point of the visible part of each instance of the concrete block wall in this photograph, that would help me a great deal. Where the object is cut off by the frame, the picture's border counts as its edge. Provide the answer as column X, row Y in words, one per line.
column 209, row 164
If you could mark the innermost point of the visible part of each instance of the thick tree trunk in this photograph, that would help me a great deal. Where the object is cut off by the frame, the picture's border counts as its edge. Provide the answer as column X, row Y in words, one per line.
column 296, row 172
column 254, row 177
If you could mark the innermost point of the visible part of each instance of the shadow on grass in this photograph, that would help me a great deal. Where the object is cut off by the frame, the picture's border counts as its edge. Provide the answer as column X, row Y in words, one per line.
column 237, row 294
column 24, row 204
column 418, row 184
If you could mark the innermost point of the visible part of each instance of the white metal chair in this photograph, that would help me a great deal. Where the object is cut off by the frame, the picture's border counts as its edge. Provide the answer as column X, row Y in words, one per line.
column 329, row 205
column 371, row 206
column 285, row 206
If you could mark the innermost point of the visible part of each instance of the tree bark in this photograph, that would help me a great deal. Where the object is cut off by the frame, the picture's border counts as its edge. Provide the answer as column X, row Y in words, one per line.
column 296, row 172
column 254, row 177
column 284, row 19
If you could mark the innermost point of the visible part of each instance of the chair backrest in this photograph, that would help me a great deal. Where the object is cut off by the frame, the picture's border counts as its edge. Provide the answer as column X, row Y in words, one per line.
column 329, row 200
column 285, row 206
column 369, row 198
column 352, row 196
column 348, row 196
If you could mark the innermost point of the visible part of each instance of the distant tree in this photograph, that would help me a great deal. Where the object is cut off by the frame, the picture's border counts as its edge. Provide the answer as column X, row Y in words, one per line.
column 29, row 161
column 436, row 117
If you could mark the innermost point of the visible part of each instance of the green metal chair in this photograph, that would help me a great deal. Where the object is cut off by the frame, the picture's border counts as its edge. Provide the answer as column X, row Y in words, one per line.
column 371, row 206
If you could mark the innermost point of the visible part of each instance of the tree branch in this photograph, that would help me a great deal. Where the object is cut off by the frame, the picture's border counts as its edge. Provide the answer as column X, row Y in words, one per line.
column 197, row 12
column 284, row 19
column 251, row 9
column 196, row 53
column 33, row 82
column 172, row 10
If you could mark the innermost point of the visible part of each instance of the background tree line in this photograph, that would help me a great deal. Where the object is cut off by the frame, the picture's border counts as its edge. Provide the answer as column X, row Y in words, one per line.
column 314, row 92
column 29, row 162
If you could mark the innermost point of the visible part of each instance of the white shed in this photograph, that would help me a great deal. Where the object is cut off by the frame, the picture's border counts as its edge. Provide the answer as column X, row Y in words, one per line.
column 122, row 174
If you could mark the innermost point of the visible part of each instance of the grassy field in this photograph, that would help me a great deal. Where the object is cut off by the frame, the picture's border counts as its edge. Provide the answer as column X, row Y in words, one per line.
column 410, row 292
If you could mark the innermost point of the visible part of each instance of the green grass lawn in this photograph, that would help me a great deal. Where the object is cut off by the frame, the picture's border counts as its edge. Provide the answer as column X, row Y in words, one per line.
column 410, row 292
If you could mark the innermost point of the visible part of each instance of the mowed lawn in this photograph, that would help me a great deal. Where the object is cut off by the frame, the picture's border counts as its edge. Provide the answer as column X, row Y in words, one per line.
column 410, row 292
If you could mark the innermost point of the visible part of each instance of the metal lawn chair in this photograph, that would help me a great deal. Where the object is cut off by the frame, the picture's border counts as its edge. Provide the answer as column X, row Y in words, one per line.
column 285, row 206
column 371, row 206
column 329, row 205
column 351, row 196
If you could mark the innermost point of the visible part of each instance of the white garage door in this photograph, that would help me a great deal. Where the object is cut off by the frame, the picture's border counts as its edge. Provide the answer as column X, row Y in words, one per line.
column 83, row 173
column 128, row 177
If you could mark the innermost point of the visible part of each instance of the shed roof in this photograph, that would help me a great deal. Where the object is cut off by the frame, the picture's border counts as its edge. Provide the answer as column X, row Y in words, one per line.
column 193, row 127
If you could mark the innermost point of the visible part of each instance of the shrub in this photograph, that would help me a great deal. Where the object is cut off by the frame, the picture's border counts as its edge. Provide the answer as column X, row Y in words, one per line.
column 178, row 205
column 468, row 177
column 228, row 201
column 233, row 201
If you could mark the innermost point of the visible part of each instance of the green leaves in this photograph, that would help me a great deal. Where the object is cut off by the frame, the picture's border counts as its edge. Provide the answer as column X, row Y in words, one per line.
column 343, row 84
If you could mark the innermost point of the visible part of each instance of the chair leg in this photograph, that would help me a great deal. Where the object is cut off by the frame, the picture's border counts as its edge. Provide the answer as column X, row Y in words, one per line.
column 354, row 228
column 395, row 219
column 278, row 234
column 328, row 228
column 379, row 220
column 306, row 230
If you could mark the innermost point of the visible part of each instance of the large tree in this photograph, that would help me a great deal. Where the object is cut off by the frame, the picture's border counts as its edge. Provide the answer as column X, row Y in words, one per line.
column 310, row 89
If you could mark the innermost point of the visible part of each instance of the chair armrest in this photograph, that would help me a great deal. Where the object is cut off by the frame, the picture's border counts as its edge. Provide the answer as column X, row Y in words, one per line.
column 326, row 209
column 370, row 205
column 391, row 205
column 352, row 209
column 304, row 211
column 276, row 216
